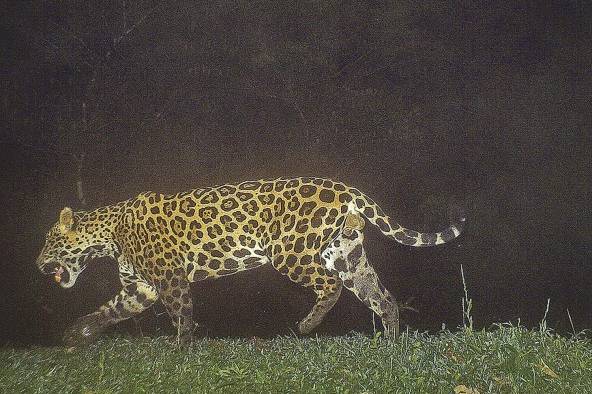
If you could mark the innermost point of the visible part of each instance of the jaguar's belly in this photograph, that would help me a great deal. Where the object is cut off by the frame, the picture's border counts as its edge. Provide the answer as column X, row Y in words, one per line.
column 225, row 256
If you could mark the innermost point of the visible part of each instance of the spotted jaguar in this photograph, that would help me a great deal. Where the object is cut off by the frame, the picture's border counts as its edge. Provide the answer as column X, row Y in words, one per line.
column 308, row 229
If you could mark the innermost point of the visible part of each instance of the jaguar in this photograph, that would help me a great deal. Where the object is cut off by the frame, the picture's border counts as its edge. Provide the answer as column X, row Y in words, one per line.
column 308, row 229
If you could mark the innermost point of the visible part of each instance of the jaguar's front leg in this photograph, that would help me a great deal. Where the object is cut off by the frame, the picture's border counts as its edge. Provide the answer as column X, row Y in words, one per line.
column 174, row 292
column 135, row 296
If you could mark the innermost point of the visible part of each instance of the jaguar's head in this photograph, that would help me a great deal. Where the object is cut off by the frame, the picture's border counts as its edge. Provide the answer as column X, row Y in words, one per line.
column 69, row 244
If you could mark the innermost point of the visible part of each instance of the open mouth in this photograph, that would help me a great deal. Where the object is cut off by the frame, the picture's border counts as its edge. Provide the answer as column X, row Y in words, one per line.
column 59, row 273
column 62, row 276
column 57, row 276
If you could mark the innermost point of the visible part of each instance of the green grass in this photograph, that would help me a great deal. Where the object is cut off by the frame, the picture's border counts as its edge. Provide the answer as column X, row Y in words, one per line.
column 505, row 359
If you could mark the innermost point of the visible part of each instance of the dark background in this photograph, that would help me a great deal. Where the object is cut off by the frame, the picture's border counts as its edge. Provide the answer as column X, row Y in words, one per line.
column 419, row 104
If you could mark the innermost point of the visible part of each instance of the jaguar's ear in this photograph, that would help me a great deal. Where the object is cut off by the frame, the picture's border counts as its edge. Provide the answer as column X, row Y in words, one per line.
column 66, row 219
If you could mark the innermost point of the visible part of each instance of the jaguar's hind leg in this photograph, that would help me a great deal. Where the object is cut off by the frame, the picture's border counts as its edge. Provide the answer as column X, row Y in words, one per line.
column 326, row 299
column 346, row 256
column 306, row 269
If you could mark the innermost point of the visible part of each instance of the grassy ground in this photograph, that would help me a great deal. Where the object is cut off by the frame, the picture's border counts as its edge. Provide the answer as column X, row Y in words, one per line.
column 506, row 359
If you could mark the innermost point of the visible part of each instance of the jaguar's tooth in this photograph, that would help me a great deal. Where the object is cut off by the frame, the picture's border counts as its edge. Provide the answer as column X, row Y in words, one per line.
column 58, row 275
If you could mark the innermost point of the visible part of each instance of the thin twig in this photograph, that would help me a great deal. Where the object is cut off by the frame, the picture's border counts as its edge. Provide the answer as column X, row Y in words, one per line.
column 467, row 303
column 543, row 325
column 135, row 25
column 571, row 322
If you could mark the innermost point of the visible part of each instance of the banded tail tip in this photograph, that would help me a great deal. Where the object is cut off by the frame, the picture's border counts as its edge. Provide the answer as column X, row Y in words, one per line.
column 457, row 217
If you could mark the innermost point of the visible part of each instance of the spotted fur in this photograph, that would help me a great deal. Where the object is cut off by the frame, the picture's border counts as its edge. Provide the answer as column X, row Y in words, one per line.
column 309, row 229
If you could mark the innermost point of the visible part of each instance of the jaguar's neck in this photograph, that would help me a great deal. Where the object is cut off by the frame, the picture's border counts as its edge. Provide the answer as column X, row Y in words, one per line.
column 101, row 225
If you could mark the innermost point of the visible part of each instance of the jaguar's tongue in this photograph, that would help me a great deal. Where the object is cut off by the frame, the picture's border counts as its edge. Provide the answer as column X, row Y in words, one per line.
column 58, row 275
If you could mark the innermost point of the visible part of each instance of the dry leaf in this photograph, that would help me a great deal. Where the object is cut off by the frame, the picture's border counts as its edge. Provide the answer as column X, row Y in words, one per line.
column 547, row 370
column 462, row 389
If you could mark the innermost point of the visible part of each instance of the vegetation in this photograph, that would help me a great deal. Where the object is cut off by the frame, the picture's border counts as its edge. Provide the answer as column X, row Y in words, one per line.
column 506, row 359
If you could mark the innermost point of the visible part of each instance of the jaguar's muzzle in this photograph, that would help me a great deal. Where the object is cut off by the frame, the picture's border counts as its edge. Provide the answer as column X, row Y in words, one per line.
column 60, row 274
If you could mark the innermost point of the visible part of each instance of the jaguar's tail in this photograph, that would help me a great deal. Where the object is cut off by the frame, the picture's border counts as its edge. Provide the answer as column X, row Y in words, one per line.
column 371, row 211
